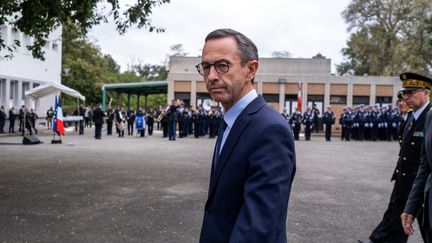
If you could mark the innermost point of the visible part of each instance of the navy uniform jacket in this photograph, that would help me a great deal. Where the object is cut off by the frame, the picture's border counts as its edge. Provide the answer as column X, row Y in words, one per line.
column 251, row 183
column 422, row 184
column 409, row 156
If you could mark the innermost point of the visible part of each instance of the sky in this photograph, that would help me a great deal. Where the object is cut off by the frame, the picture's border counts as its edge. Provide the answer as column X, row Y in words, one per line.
column 303, row 28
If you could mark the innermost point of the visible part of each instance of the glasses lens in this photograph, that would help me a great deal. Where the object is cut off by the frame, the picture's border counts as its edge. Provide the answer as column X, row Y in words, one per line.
column 222, row 67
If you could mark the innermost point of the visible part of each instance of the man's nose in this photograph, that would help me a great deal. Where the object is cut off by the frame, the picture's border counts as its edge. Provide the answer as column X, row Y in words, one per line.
column 213, row 74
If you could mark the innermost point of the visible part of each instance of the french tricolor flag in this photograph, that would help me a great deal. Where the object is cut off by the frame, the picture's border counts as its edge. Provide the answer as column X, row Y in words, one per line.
column 58, row 125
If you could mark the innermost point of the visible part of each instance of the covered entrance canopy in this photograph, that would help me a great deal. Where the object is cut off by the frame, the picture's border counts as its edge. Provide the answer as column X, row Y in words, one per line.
column 53, row 88
column 138, row 88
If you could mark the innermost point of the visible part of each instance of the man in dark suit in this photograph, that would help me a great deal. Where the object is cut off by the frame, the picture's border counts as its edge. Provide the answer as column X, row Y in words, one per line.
column 421, row 190
column 415, row 93
column 254, row 159
column 98, row 118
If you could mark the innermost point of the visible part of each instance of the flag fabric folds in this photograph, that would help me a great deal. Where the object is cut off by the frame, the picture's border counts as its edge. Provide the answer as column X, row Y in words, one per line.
column 299, row 97
column 58, row 125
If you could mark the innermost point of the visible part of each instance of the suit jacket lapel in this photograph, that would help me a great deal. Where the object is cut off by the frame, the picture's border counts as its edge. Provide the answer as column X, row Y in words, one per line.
column 238, row 127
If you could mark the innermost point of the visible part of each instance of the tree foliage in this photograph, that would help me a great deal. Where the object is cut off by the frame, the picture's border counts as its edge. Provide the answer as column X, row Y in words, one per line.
column 387, row 37
column 281, row 54
column 37, row 18
column 87, row 69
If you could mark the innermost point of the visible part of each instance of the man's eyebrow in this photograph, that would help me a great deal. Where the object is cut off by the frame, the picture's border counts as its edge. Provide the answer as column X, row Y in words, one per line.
column 218, row 60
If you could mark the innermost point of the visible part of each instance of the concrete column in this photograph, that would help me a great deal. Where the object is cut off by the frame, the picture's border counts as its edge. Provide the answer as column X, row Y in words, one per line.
column 350, row 94
column 19, row 98
column 170, row 91
column 193, row 94
column 304, row 96
column 372, row 97
column 395, row 91
column 6, row 100
column 326, row 94
column 281, row 94
column 260, row 88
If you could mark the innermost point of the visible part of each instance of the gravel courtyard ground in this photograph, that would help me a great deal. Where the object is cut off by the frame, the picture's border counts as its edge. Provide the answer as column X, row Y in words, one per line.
column 153, row 190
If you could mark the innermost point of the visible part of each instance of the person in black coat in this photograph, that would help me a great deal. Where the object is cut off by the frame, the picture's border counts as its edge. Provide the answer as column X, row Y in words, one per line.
column 416, row 96
column 150, row 121
column 12, row 117
column 33, row 118
column 328, row 119
column 98, row 118
column 308, row 121
column 2, row 118
column 110, row 120
column 296, row 120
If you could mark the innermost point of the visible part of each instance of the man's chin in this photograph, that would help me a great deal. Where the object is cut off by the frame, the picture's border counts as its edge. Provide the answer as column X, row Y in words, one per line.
column 217, row 97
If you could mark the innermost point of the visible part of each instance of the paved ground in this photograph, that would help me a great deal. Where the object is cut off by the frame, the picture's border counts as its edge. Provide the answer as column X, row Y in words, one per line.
column 153, row 190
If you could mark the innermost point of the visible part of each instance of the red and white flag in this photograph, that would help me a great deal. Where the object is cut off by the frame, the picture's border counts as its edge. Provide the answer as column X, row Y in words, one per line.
column 299, row 96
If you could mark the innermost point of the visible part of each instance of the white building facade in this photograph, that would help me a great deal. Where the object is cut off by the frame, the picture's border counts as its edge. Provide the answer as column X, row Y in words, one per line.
column 23, row 72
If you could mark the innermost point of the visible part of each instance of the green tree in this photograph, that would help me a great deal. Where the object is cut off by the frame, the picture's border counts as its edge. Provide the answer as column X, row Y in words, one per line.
column 85, row 68
column 388, row 37
column 37, row 18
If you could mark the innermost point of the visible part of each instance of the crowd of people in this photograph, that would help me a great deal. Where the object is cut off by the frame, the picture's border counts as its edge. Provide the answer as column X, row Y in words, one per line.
column 26, row 120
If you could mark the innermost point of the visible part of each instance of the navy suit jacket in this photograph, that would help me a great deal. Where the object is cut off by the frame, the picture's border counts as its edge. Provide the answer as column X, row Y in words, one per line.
column 251, row 183
column 423, row 183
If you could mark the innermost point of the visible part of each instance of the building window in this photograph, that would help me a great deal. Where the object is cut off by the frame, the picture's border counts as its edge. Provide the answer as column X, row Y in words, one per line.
column 36, row 85
column 13, row 89
column 183, row 96
column 315, row 98
column 2, row 89
column 271, row 98
column 55, row 46
column 25, row 87
column 383, row 100
column 338, row 99
column 203, row 99
column 360, row 100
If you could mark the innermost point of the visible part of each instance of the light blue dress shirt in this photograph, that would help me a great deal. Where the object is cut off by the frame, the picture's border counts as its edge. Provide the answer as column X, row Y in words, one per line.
column 231, row 115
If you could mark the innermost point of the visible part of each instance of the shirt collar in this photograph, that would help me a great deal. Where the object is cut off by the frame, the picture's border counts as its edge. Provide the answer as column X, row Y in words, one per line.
column 418, row 112
column 231, row 115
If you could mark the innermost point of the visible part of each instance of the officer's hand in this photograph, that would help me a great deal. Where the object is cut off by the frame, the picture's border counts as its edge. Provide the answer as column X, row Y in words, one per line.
column 407, row 223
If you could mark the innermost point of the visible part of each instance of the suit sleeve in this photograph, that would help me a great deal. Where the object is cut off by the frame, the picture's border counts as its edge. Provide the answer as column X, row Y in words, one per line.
column 267, row 189
column 415, row 198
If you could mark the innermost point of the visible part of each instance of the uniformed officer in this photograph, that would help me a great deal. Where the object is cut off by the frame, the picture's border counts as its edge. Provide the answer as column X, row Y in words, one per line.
column 328, row 120
column 308, row 121
column 285, row 114
column 296, row 120
column 416, row 95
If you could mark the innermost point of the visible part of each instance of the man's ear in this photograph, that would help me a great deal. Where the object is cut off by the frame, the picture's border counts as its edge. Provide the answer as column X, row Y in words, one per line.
column 252, row 69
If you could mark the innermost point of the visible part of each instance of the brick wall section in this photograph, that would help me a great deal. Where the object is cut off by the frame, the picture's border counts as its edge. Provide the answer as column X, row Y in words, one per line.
column 201, row 87
column 291, row 88
column 361, row 90
column 384, row 90
column 182, row 86
column 316, row 89
column 270, row 88
column 338, row 89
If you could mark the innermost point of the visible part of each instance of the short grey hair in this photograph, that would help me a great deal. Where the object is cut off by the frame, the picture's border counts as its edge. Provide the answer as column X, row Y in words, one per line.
column 248, row 50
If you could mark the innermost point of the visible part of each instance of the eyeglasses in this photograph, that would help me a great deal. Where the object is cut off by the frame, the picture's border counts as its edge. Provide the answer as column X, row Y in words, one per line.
column 408, row 93
column 221, row 67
